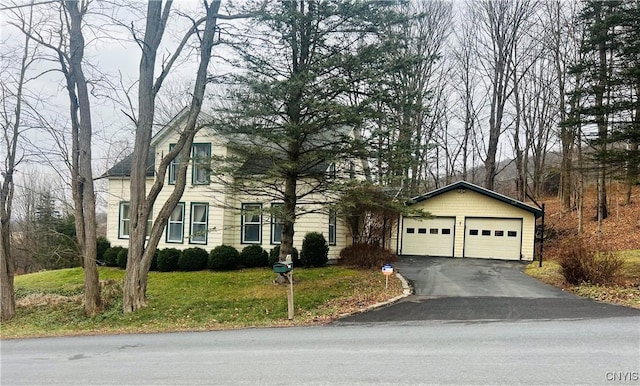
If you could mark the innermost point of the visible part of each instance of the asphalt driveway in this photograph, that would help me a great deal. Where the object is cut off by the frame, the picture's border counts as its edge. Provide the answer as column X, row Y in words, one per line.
column 455, row 289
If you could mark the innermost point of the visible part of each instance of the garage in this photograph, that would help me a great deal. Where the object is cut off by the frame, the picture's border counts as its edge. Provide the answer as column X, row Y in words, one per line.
column 429, row 237
column 469, row 221
column 493, row 238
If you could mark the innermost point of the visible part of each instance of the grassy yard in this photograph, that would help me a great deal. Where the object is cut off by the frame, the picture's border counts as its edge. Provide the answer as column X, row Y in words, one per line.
column 50, row 303
column 626, row 293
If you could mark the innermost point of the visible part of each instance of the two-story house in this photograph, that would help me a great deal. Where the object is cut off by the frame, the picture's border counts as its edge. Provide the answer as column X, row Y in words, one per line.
column 209, row 213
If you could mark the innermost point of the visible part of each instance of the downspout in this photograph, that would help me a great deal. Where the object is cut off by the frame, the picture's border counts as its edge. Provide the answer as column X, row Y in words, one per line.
column 398, row 234
column 541, row 239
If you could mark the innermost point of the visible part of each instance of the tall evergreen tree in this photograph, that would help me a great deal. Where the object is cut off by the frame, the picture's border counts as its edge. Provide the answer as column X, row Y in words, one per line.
column 609, row 108
column 291, row 112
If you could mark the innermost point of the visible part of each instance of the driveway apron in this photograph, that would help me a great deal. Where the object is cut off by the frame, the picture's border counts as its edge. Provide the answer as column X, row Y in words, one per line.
column 455, row 289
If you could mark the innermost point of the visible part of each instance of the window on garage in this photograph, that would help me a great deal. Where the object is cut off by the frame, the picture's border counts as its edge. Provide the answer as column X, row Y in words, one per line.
column 512, row 234
column 498, row 233
column 433, row 231
column 486, row 232
column 422, row 231
column 411, row 230
column 446, row 231
column 473, row 232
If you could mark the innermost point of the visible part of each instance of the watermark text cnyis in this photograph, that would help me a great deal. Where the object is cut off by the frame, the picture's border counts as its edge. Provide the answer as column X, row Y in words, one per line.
column 622, row 376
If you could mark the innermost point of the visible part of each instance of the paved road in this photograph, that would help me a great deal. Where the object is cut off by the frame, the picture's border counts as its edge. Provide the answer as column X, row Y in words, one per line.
column 508, row 353
column 472, row 322
column 479, row 289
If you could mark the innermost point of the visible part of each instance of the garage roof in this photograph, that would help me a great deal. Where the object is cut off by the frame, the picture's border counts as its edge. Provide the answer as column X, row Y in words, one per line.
column 478, row 189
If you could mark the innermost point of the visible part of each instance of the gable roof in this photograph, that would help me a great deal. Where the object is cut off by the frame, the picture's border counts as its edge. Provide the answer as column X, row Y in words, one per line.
column 478, row 189
column 123, row 168
column 174, row 126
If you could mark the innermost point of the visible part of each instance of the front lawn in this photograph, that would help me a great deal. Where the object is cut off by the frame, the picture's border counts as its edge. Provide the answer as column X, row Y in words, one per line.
column 49, row 303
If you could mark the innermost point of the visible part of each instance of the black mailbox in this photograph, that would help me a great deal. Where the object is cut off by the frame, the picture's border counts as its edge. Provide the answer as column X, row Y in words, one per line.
column 282, row 267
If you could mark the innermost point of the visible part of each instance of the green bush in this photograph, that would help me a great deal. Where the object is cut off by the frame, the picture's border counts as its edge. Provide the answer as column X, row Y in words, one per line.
column 254, row 256
column 275, row 254
column 154, row 262
column 315, row 251
column 581, row 262
column 102, row 244
column 168, row 259
column 122, row 258
column 110, row 256
column 224, row 257
column 193, row 259
column 366, row 256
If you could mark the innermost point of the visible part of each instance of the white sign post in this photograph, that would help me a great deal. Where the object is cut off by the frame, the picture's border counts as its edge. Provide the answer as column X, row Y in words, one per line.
column 387, row 270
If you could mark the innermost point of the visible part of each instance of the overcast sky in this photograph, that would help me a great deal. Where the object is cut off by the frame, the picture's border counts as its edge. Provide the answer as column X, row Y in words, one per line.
column 111, row 63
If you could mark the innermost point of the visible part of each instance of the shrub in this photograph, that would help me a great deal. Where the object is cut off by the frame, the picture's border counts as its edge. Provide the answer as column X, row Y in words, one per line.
column 110, row 256
column 122, row 258
column 224, row 257
column 193, row 259
column 154, row 262
column 168, row 259
column 254, row 256
column 366, row 256
column 102, row 244
column 583, row 263
column 275, row 254
column 315, row 250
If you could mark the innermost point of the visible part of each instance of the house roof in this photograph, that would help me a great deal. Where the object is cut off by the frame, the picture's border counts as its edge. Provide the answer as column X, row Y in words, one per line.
column 261, row 165
column 123, row 168
column 478, row 189
column 174, row 125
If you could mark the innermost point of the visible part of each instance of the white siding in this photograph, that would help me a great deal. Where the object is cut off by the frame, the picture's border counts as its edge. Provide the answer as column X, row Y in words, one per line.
column 432, row 237
column 467, row 203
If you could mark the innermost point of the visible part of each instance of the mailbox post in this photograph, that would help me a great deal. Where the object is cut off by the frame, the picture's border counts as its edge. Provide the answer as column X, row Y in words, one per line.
column 285, row 268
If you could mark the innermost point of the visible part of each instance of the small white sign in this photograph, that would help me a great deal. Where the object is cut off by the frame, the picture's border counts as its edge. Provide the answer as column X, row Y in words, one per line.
column 387, row 269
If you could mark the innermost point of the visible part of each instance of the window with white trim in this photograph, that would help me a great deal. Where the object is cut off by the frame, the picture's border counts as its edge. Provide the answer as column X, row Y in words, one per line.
column 251, row 223
column 201, row 171
column 276, row 223
column 199, row 223
column 173, row 166
column 332, row 226
column 331, row 170
column 124, row 224
column 175, row 225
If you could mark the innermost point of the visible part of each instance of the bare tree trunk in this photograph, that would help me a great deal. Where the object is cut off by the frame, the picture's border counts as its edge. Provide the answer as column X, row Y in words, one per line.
column 633, row 169
column 141, row 250
column 580, row 190
column 601, row 121
column 503, row 21
column 11, row 135
column 84, row 194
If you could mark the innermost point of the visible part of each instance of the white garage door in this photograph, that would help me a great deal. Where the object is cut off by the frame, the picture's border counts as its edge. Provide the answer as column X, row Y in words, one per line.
column 432, row 237
column 493, row 238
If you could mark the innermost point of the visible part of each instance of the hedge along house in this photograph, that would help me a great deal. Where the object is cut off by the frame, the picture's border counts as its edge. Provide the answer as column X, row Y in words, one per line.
column 469, row 221
column 209, row 213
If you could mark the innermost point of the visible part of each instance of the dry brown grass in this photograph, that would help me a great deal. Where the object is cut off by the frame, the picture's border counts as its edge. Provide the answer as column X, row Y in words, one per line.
column 620, row 234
